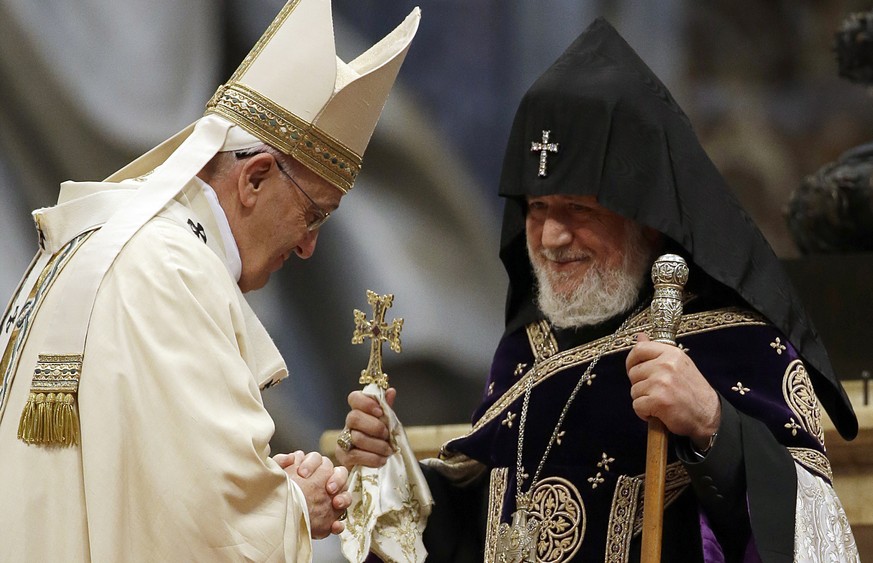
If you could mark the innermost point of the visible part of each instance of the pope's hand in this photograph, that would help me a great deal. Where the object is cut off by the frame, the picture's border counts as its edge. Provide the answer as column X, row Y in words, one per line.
column 667, row 385
column 368, row 425
column 324, row 487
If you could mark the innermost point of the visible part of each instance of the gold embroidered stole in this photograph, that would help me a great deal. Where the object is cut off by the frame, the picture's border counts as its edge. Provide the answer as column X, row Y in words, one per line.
column 51, row 267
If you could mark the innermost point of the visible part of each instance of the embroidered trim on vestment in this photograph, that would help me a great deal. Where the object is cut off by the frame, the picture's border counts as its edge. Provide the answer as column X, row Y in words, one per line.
column 626, row 515
column 542, row 341
column 456, row 467
column 12, row 354
column 496, row 494
column 800, row 397
column 813, row 460
column 621, row 519
column 50, row 416
column 557, row 505
column 693, row 323
column 676, row 478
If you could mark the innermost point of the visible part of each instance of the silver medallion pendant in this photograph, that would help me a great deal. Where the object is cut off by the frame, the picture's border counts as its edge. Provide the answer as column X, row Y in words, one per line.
column 517, row 543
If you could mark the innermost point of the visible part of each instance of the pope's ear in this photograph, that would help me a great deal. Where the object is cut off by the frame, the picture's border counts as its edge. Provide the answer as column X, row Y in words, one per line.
column 253, row 172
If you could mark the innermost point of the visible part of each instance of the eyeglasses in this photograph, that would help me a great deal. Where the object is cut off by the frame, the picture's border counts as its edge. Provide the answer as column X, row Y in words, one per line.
column 320, row 214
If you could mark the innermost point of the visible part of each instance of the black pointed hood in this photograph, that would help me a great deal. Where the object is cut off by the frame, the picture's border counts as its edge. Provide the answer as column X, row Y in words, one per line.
column 623, row 138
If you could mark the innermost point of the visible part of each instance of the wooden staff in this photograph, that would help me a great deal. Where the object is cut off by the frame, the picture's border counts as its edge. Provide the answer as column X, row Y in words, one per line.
column 669, row 275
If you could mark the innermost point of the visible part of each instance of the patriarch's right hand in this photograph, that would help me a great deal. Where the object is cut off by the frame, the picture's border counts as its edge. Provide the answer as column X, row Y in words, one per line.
column 368, row 425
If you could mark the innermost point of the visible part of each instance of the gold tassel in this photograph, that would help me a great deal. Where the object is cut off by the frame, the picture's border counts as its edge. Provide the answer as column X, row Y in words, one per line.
column 66, row 420
column 52, row 418
column 27, row 424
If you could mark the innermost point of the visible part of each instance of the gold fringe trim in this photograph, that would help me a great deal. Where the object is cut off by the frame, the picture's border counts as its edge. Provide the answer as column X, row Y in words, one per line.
column 50, row 416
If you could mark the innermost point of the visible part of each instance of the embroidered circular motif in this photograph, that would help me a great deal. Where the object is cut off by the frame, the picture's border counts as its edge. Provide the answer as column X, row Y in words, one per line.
column 798, row 393
column 556, row 503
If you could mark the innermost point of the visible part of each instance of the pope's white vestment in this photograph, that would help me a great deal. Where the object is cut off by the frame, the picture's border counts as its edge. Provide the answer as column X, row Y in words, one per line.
column 172, row 461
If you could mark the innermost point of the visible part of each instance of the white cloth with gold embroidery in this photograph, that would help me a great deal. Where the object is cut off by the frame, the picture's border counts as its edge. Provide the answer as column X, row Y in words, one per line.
column 390, row 504
column 821, row 528
column 173, row 462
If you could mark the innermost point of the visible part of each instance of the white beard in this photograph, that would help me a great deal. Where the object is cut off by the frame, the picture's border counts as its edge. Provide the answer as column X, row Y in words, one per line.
column 601, row 293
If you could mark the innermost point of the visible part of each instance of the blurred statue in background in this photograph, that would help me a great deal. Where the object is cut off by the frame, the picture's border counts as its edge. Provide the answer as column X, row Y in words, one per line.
column 832, row 210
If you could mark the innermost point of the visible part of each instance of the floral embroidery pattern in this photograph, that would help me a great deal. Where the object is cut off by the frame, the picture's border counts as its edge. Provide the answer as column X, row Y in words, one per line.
column 778, row 346
column 605, row 461
column 596, row 480
column 821, row 529
column 510, row 416
column 799, row 395
column 557, row 504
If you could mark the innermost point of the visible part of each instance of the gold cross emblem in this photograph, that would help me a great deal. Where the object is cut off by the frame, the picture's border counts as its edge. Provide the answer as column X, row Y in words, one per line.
column 378, row 332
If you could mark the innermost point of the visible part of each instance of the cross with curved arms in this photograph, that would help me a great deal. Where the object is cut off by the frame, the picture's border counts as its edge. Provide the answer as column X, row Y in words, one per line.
column 378, row 332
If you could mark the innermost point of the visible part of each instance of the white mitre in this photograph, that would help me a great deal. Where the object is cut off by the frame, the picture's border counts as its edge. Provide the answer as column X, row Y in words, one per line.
column 293, row 92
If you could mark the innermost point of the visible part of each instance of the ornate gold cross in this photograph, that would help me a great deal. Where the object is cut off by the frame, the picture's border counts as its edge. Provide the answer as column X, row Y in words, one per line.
column 377, row 331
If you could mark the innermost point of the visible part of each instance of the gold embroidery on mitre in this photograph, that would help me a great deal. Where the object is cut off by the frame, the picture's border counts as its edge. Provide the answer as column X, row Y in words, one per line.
column 273, row 124
column 813, row 460
column 50, row 415
column 800, row 397
column 277, row 126
column 557, row 505
column 496, row 492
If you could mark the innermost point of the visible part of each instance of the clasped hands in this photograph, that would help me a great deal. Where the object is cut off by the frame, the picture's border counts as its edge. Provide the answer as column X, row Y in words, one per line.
column 324, row 487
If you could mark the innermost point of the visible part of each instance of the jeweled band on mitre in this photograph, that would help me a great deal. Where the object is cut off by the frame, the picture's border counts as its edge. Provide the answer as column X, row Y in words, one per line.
column 280, row 128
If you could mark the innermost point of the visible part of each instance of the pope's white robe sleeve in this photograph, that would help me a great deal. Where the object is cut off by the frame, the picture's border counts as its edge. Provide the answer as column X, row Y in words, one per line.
column 175, row 438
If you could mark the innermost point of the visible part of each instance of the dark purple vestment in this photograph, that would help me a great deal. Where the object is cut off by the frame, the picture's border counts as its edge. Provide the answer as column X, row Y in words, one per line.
column 589, row 494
